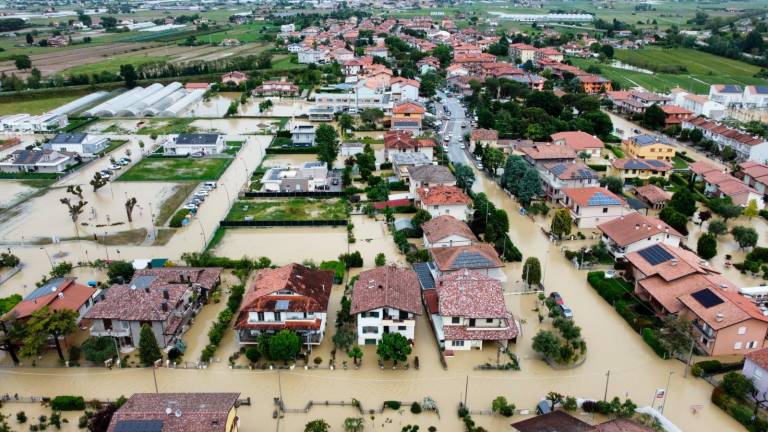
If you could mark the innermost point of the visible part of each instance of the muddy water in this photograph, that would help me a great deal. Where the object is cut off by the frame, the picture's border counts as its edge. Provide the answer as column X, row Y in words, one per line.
column 215, row 107
column 284, row 160
column 235, row 126
column 284, row 245
column 281, row 107
column 12, row 191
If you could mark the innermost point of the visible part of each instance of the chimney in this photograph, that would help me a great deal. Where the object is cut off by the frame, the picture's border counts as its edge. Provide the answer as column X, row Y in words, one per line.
column 166, row 295
column 637, row 226
column 164, row 305
column 719, row 317
column 146, row 289
column 673, row 263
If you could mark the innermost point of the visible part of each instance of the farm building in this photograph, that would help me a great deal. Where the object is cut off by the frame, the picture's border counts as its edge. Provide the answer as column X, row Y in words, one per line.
column 151, row 101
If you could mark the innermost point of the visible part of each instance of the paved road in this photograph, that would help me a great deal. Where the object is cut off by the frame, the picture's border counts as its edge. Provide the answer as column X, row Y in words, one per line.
column 452, row 126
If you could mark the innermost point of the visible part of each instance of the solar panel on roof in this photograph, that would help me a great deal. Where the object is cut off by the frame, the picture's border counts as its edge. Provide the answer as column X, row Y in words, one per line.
column 425, row 276
column 470, row 260
column 707, row 298
column 139, row 426
column 45, row 289
column 601, row 199
column 655, row 163
column 655, row 255
column 142, row 282
column 558, row 169
column 761, row 89
column 730, row 88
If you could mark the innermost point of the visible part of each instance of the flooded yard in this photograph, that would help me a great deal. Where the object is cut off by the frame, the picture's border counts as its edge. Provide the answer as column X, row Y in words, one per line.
column 281, row 107
column 237, row 126
column 12, row 191
column 217, row 106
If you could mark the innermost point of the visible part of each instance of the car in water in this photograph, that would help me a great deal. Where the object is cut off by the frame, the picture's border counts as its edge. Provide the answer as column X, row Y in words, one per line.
column 556, row 297
column 566, row 312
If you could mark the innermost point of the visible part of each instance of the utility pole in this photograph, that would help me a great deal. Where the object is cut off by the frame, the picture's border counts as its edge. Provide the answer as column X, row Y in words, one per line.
column 666, row 392
column 688, row 360
column 607, row 379
column 466, row 389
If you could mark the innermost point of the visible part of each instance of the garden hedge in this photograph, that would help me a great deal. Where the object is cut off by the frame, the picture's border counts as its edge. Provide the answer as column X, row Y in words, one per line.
column 68, row 403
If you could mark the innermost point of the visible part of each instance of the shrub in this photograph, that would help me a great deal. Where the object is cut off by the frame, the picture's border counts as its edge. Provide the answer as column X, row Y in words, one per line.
column 317, row 361
column 463, row 411
column 570, row 403
column 650, row 338
column 611, row 290
column 252, row 354
column 416, row 408
column 178, row 218
column 21, row 417
column 74, row 354
column 589, row 406
column 68, row 403
column 395, row 405
column 742, row 414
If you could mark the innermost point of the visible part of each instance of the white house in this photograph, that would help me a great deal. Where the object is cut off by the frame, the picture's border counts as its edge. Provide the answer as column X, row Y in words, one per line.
column 446, row 231
column 427, row 176
column 311, row 56
column 85, row 145
column 634, row 232
column 729, row 95
column 303, row 135
column 444, row 200
column 287, row 28
column 386, row 300
column 746, row 145
column 756, row 369
column 756, row 96
column 309, row 176
column 403, row 89
column 699, row 105
column 194, row 144
column 593, row 205
column 41, row 161
column 557, row 176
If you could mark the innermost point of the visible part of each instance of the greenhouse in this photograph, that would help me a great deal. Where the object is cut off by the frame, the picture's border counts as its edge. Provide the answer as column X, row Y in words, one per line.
column 154, row 100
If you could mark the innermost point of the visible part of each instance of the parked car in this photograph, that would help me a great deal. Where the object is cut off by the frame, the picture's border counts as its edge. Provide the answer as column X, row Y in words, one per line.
column 478, row 158
column 566, row 312
column 202, row 192
column 556, row 297
column 610, row 274
column 190, row 206
column 479, row 165
column 115, row 167
column 462, row 146
column 209, row 184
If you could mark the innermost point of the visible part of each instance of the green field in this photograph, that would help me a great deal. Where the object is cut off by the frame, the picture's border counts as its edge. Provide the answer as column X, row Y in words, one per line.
column 176, row 169
column 167, row 126
column 297, row 209
column 37, row 106
column 243, row 33
column 113, row 64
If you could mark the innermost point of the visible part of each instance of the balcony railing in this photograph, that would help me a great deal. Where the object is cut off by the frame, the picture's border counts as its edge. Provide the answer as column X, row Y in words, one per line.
column 111, row 332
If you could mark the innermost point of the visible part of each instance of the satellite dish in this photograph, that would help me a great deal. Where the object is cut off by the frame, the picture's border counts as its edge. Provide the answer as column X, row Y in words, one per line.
column 168, row 411
column 177, row 413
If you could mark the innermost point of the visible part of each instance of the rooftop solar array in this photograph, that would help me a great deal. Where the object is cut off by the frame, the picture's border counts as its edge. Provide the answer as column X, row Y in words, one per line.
column 470, row 260
column 425, row 276
column 731, row 88
column 635, row 164
column 761, row 89
column 655, row 163
column 655, row 255
column 46, row 289
column 558, row 169
column 139, row 426
column 707, row 298
column 601, row 199
column 142, row 282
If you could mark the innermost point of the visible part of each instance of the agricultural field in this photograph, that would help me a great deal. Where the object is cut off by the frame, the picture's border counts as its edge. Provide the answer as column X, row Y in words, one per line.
column 113, row 64
column 176, row 169
column 37, row 104
column 243, row 33
column 297, row 209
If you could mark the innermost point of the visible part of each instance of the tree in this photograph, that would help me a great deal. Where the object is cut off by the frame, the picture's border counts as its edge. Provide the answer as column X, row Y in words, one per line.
column 370, row 116
column 695, row 135
column 45, row 323
column 318, row 425
column 366, row 162
column 354, row 424
column 327, row 144
column 443, row 53
column 546, row 343
column 532, row 271
column 149, row 350
column 514, row 169
column 356, row 354
column 676, row 335
column 380, row 259
column 100, row 420
column 602, row 125
column 74, row 209
column 683, row 201
column 736, row 385
column 393, row 346
column 613, row 184
column 529, row 187
column 264, row 60
column 12, row 333
column 30, row 39
column 98, row 349
column 22, row 62
column 346, row 122
column 75, row 190
column 561, row 223
column 129, row 205
column 501, row 406
column 751, row 210
column 492, row 159
column 120, row 272
column 654, row 117
column 717, row 227
column 607, row 50
column 545, row 100
column 675, row 219
column 61, row 269
column 465, row 176
column 128, row 72
column 744, row 236
column 725, row 208
column 284, row 345
column 98, row 181
column 419, row 218
column 706, row 247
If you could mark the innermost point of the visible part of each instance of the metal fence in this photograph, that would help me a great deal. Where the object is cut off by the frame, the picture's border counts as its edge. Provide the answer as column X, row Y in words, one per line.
column 283, row 223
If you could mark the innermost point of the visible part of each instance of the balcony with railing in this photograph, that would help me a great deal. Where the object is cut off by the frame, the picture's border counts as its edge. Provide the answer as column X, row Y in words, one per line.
column 110, row 332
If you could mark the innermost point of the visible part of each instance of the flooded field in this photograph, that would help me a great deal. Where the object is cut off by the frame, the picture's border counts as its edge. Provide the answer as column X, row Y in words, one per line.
column 13, row 191
column 281, row 107
column 236, row 126
column 215, row 107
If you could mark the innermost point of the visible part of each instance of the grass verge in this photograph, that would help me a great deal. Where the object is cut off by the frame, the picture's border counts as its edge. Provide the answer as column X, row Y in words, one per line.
column 176, row 169
column 173, row 202
column 297, row 209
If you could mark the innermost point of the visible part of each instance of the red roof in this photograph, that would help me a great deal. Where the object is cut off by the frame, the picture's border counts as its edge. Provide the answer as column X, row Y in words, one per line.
column 197, row 412
column 443, row 226
column 475, row 256
column 674, row 109
column 388, row 286
column 309, row 290
column 470, row 294
column 485, row 135
column 443, row 195
column 195, row 85
column 409, row 107
column 57, row 294
column 578, row 140
column 582, row 196
column 759, row 357
column 400, row 140
column 635, row 227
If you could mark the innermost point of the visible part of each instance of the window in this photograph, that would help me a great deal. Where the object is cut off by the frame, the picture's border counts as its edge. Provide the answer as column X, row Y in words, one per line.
column 401, row 328
column 737, row 345
column 751, row 344
column 742, row 330
column 458, row 343
column 605, row 209
column 455, row 320
column 489, row 320
column 370, row 330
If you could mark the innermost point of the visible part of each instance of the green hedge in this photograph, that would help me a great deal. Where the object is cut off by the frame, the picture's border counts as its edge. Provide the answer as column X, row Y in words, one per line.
column 611, row 290
column 713, row 367
column 178, row 218
column 598, row 168
column 650, row 338
column 291, row 150
column 68, row 403
column 337, row 267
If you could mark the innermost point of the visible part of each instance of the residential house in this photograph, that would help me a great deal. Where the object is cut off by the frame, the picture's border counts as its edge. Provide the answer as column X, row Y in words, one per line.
column 303, row 135
column 276, row 88
column 57, row 294
column 404, row 89
column 648, row 147
column 478, row 257
column 407, row 116
column 653, row 195
column 386, row 300
column 467, row 309
column 539, row 154
column 729, row 95
column 634, row 232
column 699, row 105
column 592, row 206
column 428, row 176
column 755, row 175
column 748, row 147
column 164, row 298
column 82, row 144
column 308, row 177
column 402, row 162
column 675, row 115
column 549, row 54
column 234, row 78
column 756, row 369
column 643, row 169
column 404, row 142
column 484, row 137
column 352, row 67
column 523, row 52
column 444, row 200
column 718, row 183
column 311, row 56
column 36, row 161
column 593, row 84
column 194, row 144
column 556, row 176
column 170, row 412
column 756, row 97
column 447, row 231
column 291, row 297
column 580, row 142
column 555, row 421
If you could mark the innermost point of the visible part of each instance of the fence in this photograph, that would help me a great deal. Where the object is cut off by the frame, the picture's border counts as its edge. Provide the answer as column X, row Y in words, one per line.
column 283, row 223
column 352, row 403
column 305, row 194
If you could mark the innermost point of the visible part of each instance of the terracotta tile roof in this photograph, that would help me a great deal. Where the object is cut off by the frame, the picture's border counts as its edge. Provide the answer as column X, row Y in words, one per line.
column 578, row 140
column 431, row 174
column 388, row 286
column 592, row 79
column 475, row 256
column 311, row 289
column 470, row 294
column 676, row 262
column 755, row 170
column 443, row 226
column 653, row 193
column 400, row 140
column 667, row 293
column 57, row 294
column 431, row 301
column 443, row 195
column 733, row 187
column 716, row 177
column 622, row 425
column 142, row 298
column 759, row 357
column 634, row 227
column 556, row 421
column 199, row 412
column 674, row 109
column 405, row 81
column 593, row 197
column 720, row 309
column 485, row 135
column 544, row 152
column 409, row 107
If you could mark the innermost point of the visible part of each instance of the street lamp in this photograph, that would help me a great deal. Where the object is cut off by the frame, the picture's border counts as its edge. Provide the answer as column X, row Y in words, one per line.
column 48, row 255
column 156, row 365
column 666, row 392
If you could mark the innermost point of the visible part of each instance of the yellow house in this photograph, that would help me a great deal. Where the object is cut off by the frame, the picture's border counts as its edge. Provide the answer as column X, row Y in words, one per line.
column 407, row 116
column 648, row 147
column 638, row 168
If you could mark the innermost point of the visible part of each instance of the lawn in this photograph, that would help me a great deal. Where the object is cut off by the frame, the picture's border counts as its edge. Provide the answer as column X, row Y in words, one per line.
column 176, row 169
column 113, row 145
column 30, row 104
column 243, row 33
column 233, row 147
column 283, row 62
column 679, row 163
column 113, row 64
column 297, row 209
column 168, row 126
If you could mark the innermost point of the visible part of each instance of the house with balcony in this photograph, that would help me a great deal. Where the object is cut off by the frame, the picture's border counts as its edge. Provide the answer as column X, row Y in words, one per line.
column 444, row 200
column 386, row 300
column 291, row 297
column 303, row 135
column 522, row 51
column 194, row 144
column 675, row 115
column 756, row 97
column 634, row 232
column 427, row 176
column 593, row 84
column 582, row 143
column 755, row 175
column 56, row 294
column 478, row 257
column 636, row 168
column 648, row 147
column 167, row 412
column 164, row 298
column 592, row 206
column 541, row 153
column 556, row 176
column 729, row 95
column 468, row 309
column 36, row 161
column 81, row 144
column 276, row 88
column 483, row 137
column 404, row 142
column 447, row 231
column 407, row 116
column 748, row 147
